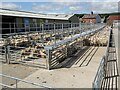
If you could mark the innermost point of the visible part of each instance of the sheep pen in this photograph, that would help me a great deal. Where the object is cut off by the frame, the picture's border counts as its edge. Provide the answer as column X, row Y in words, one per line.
column 98, row 39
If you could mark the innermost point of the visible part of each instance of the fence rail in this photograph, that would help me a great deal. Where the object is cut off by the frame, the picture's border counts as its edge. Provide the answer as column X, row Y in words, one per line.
column 23, row 81
column 43, row 43
column 99, row 75
column 102, row 70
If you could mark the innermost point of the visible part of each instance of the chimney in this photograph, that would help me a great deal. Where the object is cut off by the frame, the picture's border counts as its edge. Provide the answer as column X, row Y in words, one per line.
column 91, row 12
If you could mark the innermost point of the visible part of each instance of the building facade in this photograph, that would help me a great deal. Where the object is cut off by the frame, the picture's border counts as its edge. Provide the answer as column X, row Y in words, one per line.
column 21, row 19
column 91, row 18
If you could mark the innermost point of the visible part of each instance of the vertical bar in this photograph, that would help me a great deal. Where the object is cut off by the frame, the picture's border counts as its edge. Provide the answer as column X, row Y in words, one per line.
column 8, row 54
column 48, row 28
column 5, row 48
column 62, row 31
column 49, row 59
column 39, row 27
column 71, row 30
column 14, row 28
column 42, row 35
column 80, row 27
column 66, row 50
column 10, row 27
column 25, row 27
column 68, row 31
column 36, row 26
column 54, row 35
column 16, row 84
column 29, row 28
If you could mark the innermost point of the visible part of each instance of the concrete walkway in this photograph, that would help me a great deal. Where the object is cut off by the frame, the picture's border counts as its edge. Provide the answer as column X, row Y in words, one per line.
column 73, row 77
column 116, row 33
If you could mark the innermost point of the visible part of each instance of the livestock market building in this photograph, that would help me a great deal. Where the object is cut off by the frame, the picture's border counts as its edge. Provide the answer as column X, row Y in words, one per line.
column 11, row 18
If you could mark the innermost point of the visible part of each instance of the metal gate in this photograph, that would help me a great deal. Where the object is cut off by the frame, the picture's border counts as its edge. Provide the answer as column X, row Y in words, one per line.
column 3, row 54
column 26, row 56
column 100, row 75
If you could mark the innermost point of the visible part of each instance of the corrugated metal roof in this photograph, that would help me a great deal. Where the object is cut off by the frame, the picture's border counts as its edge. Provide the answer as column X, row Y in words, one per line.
column 90, row 16
column 35, row 15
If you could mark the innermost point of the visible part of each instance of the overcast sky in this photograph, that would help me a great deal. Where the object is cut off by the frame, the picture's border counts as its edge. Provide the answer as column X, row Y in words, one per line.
column 63, row 6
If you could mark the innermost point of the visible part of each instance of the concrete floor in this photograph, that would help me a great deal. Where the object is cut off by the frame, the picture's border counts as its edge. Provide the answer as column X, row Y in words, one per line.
column 80, row 75
column 15, row 70
column 116, row 33
column 73, row 77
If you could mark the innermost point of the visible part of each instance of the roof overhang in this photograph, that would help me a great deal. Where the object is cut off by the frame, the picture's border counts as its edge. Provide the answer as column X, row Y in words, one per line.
column 34, row 15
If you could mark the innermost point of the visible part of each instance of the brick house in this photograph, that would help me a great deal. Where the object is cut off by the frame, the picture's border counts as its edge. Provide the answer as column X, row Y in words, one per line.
column 91, row 18
column 113, row 19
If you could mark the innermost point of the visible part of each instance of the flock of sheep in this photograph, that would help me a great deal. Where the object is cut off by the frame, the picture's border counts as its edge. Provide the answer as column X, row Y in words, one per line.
column 98, row 39
column 35, row 45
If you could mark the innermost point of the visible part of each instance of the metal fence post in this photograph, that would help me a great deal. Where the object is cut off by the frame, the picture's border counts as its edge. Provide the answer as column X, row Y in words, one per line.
column 8, row 54
column 42, row 35
column 29, row 28
column 49, row 59
column 66, row 50
column 14, row 28
column 36, row 26
column 80, row 27
column 10, row 27
column 54, row 35
column 62, row 31
column 72, row 31
column 16, row 84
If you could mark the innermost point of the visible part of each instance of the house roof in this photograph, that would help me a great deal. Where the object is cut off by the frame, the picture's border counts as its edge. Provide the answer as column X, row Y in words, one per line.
column 34, row 15
column 114, row 17
column 90, row 16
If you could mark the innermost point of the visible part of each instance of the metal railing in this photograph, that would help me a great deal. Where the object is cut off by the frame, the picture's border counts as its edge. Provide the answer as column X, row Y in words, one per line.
column 50, row 37
column 14, row 28
column 16, row 85
column 99, row 75
column 101, row 72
